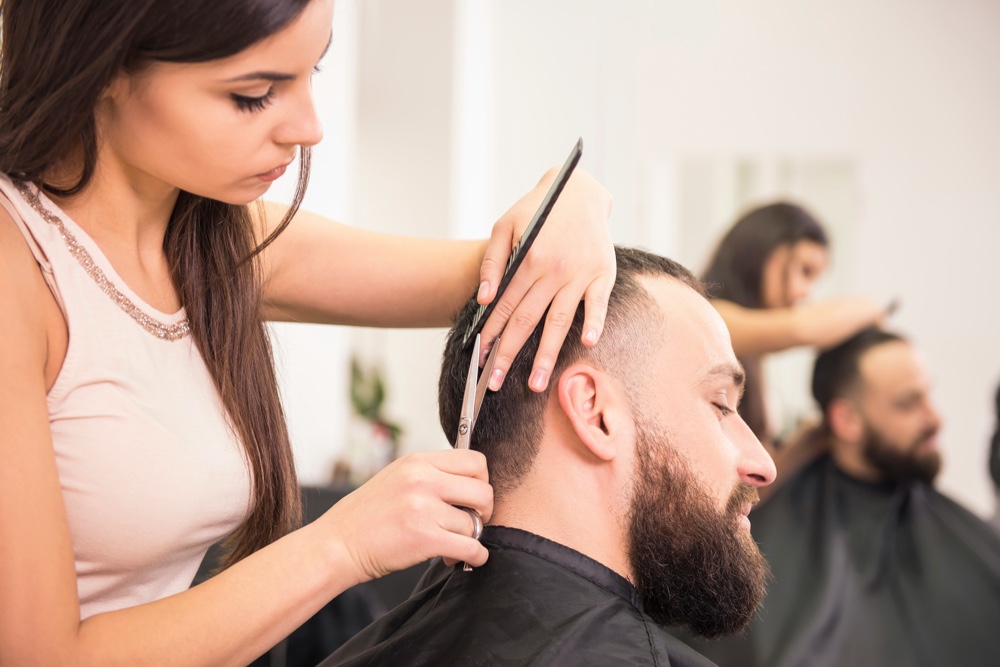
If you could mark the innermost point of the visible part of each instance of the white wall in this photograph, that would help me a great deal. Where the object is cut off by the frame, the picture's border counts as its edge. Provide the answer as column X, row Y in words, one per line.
column 404, row 129
column 907, row 92
column 311, row 359
column 904, row 94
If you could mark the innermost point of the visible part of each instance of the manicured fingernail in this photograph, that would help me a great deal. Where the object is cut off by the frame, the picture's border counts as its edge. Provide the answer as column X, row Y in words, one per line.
column 590, row 336
column 538, row 378
column 484, row 289
column 496, row 379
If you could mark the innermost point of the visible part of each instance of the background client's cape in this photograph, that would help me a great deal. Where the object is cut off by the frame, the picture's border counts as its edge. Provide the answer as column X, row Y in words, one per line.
column 869, row 575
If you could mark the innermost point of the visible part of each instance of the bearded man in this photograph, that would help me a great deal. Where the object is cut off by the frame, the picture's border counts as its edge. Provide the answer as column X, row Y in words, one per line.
column 621, row 497
column 872, row 566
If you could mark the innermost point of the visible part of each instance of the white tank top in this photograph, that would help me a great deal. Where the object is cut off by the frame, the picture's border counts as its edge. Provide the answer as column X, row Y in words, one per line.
column 150, row 470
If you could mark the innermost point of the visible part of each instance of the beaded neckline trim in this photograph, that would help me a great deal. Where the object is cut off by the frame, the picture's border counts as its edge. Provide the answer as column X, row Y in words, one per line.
column 168, row 332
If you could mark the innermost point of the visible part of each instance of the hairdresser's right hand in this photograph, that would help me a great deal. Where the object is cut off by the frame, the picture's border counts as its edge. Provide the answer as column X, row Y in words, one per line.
column 410, row 512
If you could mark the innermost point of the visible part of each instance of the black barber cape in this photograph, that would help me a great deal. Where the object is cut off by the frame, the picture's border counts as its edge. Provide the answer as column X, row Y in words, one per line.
column 870, row 576
column 533, row 603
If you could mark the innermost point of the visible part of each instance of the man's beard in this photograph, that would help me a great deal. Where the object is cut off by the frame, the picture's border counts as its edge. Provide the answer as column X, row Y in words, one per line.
column 904, row 464
column 692, row 564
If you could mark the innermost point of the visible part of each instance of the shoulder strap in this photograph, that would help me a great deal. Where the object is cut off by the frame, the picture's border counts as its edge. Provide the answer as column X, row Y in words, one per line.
column 36, row 249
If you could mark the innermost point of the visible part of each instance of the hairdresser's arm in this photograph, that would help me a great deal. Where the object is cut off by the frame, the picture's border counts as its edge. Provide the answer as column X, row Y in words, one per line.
column 400, row 518
column 821, row 324
column 321, row 271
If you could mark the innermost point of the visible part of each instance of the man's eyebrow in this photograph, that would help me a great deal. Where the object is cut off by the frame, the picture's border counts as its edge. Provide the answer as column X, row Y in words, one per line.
column 733, row 371
column 908, row 396
column 275, row 76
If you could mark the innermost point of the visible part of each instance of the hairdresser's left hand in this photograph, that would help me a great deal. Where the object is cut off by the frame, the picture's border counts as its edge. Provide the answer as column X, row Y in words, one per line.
column 572, row 259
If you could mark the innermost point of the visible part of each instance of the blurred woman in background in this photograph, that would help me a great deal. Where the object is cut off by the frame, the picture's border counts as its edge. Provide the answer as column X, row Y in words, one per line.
column 760, row 277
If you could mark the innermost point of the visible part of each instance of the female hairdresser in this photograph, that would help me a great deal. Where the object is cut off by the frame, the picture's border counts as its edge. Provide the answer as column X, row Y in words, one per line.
column 139, row 416
column 760, row 276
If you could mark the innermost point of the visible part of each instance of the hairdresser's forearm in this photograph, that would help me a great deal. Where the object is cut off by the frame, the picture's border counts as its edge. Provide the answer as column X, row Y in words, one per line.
column 228, row 620
column 830, row 322
column 324, row 272
column 756, row 331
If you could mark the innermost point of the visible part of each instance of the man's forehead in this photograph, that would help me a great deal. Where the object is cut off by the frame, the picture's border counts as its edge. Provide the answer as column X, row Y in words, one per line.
column 892, row 367
column 693, row 333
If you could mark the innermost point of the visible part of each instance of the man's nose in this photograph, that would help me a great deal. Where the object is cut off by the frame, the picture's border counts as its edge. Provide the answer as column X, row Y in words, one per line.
column 933, row 416
column 755, row 464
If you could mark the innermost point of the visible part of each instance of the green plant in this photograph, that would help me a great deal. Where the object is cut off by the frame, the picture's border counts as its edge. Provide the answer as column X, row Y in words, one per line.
column 368, row 396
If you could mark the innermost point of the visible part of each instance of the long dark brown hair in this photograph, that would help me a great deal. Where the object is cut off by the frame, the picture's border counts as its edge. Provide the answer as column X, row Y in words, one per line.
column 735, row 273
column 56, row 58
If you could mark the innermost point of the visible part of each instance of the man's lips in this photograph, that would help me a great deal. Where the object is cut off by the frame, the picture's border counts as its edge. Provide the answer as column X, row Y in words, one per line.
column 741, row 501
column 743, row 515
column 928, row 441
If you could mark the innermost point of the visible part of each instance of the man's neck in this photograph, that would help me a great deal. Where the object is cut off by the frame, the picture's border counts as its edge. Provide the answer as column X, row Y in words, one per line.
column 568, row 508
column 851, row 462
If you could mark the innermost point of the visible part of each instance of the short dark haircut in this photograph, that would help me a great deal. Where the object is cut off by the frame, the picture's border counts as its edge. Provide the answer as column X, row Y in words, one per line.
column 510, row 422
column 837, row 372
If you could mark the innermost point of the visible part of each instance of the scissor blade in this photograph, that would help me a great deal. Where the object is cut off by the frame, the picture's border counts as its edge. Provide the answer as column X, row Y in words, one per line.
column 467, row 417
column 484, row 379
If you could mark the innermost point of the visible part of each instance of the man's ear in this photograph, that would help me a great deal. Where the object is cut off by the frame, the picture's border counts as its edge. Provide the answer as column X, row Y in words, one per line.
column 596, row 407
column 845, row 420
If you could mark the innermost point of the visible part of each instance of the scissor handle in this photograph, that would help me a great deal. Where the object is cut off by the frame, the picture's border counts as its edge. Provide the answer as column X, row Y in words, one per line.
column 464, row 433
column 477, row 530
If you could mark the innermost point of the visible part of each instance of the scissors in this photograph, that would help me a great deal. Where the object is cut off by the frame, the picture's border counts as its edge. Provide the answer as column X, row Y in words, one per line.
column 475, row 390
column 476, row 383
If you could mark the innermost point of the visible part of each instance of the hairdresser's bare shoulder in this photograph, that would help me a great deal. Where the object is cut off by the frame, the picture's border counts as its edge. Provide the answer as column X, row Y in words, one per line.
column 35, row 533
column 31, row 324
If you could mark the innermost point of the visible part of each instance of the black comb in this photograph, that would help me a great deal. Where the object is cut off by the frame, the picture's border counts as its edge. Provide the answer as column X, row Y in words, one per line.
column 527, row 238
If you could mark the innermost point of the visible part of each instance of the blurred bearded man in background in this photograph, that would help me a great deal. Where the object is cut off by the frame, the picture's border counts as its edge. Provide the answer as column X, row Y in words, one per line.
column 871, row 565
